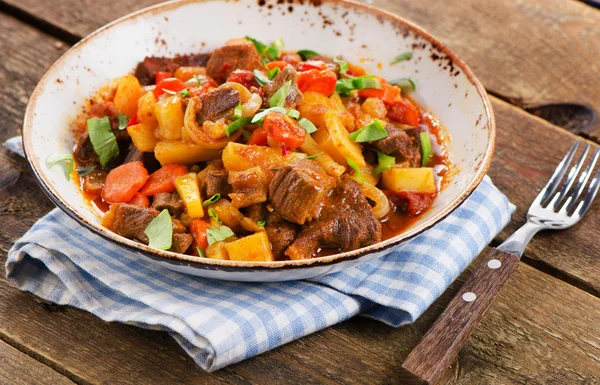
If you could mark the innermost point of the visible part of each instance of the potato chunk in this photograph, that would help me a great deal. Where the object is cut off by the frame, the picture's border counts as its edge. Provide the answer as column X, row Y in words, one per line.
column 255, row 247
column 418, row 180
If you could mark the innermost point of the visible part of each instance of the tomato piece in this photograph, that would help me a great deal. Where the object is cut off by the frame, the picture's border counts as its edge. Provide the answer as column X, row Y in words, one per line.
column 140, row 200
column 292, row 58
column 391, row 94
column 277, row 64
column 258, row 137
column 243, row 77
column 169, row 84
column 163, row 179
column 412, row 203
column 404, row 112
column 204, row 88
column 160, row 76
column 311, row 65
column 371, row 93
column 317, row 81
column 284, row 130
column 198, row 229
column 123, row 182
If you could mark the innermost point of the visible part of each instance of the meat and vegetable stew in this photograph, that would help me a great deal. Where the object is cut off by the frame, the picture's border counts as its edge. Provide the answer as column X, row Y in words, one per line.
column 258, row 154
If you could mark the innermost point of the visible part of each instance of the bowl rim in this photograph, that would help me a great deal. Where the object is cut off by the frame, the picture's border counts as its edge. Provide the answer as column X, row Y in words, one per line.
column 230, row 265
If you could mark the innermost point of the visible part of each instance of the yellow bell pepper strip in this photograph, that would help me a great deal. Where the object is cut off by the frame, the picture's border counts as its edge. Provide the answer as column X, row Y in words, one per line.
column 187, row 187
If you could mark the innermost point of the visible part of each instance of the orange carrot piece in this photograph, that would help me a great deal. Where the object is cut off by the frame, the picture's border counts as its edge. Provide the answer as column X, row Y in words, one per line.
column 123, row 182
column 198, row 229
column 140, row 200
column 163, row 179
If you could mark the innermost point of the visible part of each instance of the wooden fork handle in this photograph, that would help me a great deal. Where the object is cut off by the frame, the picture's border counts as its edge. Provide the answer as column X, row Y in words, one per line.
column 431, row 358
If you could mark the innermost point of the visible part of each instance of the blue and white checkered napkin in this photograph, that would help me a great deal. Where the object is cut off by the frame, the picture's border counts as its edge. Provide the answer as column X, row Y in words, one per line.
column 219, row 323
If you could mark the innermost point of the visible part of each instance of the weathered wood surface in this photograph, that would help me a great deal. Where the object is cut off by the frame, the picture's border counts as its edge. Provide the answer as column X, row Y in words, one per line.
column 531, row 52
column 540, row 331
column 17, row 368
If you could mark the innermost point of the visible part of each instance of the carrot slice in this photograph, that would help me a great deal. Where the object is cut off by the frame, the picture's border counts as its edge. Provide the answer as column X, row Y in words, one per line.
column 123, row 182
column 140, row 200
column 163, row 179
column 198, row 229
column 258, row 137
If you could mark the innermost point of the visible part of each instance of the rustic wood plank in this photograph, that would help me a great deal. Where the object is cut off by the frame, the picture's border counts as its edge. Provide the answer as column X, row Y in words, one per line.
column 17, row 368
column 543, row 51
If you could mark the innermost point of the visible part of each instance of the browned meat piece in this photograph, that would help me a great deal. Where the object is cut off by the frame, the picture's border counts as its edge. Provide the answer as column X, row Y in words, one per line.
column 404, row 144
column 281, row 234
column 83, row 151
column 215, row 182
column 346, row 222
column 335, row 67
column 217, row 104
column 147, row 158
column 171, row 202
column 178, row 226
column 257, row 212
column 131, row 221
column 294, row 96
column 147, row 69
column 298, row 189
column 249, row 187
column 181, row 242
column 237, row 56
column 133, row 155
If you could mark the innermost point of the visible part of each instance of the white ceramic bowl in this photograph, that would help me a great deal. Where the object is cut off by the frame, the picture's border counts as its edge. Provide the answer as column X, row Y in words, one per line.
column 362, row 34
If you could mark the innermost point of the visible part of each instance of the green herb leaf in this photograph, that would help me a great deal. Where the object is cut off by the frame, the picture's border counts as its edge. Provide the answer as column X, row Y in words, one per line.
column 260, row 77
column 123, row 121
column 277, row 44
column 369, row 133
column 160, row 231
column 237, row 112
column 198, row 81
column 426, row 149
column 200, row 252
column 261, row 115
column 385, row 163
column 273, row 72
column 278, row 98
column 185, row 93
column 268, row 52
column 236, row 125
column 314, row 156
column 306, row 54
column 403, row 56
column 246, row 134
column 344, row 86
column 218, row 234
column 213, row 215
column 262, row 223
column 103, row 140
column 308, row 126
column 213, row 199
column 57, row 158
column 406, row 84
column 343, row 67
column 357, row 171
column 84, row 170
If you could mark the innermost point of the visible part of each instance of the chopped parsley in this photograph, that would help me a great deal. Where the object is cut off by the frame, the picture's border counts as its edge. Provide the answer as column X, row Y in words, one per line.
column 385, row 163
column 369, row 133
column 262, row 223
column 213, row 199
column 268, row 52
column 123, row 121
column 357, row 171
column 200, row 252
column 426, row 149
column 314, row 156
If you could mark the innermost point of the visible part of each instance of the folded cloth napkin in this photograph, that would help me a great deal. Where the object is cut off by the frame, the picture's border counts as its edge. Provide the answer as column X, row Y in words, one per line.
column 219, row 323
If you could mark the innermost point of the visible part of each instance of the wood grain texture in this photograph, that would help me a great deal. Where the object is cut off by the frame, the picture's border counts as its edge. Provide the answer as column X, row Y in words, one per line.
column 531, row 52
column 17, row 368
column 434, row 354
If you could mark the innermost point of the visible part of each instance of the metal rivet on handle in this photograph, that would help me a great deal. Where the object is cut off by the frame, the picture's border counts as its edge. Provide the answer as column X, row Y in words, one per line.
column 494, row 263
column 469, row 296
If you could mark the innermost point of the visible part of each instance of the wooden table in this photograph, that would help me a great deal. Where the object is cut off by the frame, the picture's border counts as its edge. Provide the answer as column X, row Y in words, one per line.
column 543, row 329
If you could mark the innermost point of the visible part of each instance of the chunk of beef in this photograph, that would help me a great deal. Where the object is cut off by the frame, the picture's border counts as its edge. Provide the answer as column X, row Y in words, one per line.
column 241, row 55
column 181, row 242
column 178, row 226
column 249, row 187
column 404, row 144
column 215, row 182
column 131, row 221
column 294, row 96
column 83, row 151
column 257, row 212
column 218, row 103
column 281, row 234
column 346, row 222
column 147, row 69
column 147, row 158
column 171, row 202
column 298, row 189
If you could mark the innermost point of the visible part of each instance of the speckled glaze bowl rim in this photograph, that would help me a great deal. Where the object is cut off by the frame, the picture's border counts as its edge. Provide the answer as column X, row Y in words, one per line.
column 228, row 265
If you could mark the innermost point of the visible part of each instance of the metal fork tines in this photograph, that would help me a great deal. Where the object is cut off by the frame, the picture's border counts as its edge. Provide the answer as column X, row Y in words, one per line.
column 560, row 204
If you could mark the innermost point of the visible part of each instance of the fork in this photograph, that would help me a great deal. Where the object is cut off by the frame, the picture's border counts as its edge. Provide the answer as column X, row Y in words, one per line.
column 552, row 209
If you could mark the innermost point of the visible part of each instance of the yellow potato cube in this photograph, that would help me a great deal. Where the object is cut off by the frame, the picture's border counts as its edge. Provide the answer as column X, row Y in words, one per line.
column 217, row 251
column 255, row 247
column 128, row 92
column 418, row 180
column 240, row 157
column 176, row 151
column 146, row 104
column 142, row 135
column 169, row 113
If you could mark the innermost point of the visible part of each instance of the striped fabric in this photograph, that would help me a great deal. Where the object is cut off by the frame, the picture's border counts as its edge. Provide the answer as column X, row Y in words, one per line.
column 219, row 323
